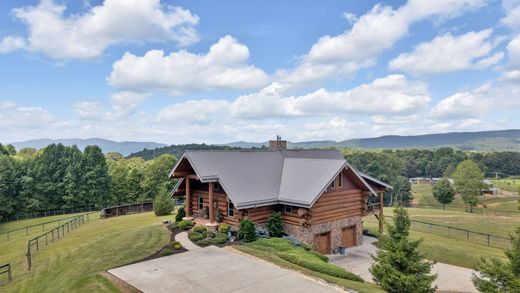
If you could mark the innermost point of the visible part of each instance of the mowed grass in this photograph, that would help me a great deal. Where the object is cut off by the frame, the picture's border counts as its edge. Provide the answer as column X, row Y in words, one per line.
column 423, row 195
column 72, row 263
column 268, row 249
column 446, row 250
column 507, row 184
column 13, row 225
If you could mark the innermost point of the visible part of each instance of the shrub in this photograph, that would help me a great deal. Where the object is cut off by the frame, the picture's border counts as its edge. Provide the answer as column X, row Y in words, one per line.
column 320, row 267
column 222, row 235
column 224, row 228
column 219, row 216
column 176, row 245
column 219, row 240
column 181, row 213
column 195, row 236
column 319, row 255
column 203, row 242
column 199, row 228
column 204, row 234
column 211, row 234
column 166, row 252
column 274, row 225
column 185, row 225
column 246, row 231
column 205, row 212
column 163, row 203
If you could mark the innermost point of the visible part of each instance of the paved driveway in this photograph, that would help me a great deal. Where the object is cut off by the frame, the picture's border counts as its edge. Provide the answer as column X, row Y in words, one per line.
column 358, row 260
column 213, row 269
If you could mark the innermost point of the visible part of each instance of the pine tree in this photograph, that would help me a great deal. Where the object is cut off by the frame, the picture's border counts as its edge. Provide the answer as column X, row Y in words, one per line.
column 274, row 225
column 499, row 276
column 443, row 192
column 399, row 265
column 163, row 204
column 96, row 178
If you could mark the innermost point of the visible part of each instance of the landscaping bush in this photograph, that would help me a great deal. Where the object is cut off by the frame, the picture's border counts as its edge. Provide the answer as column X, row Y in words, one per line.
column 320, row 267
column 203, row 242
column 224, row 228
column 246, row 231
column 181, row 213
column 211, row 234
column 163, row 203
column 166, row 252
column 319, row 255
column 185, row 224
column 219, row 240
column 195, row 236
column 274, row 225
column 176, row 245
column 221, row 235
column 199, row 228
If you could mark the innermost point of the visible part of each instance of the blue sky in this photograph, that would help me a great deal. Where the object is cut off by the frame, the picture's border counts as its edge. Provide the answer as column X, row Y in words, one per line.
column 214, row 72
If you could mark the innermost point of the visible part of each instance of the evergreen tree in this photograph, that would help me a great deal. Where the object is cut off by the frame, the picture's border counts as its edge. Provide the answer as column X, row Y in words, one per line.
column 443, row 192
column 274, row 225
column 163, row 204
column 96, row 181
column 134, row 184
column 468, row 182
column 9, row 186
column 399, row 265
column 499, row 276
column 74, row 196
column 119, row 189
column 156, row 175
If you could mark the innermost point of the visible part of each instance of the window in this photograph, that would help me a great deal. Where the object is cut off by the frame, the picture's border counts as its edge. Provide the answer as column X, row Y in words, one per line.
column 230, row 209
column 216, row 186
column 340, row 181
column 201, row 202
column 333, row 184
column 288, row 209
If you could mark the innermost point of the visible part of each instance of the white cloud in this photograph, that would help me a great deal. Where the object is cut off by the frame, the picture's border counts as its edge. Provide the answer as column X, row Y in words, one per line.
column 390, row 94
column 461, row 105
column 512, row 70
column 370, row 35
column 449, row 53
column 224, row 66
column 124, row 103
column 88, row 34
column 7, row 105
column 512, row 18
column 88, row 110
column 10, row 44
column 15, row 117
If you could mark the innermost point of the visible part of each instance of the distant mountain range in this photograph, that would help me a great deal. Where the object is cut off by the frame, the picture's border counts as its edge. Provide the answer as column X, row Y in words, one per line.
column 124, row 147
column 499, row 140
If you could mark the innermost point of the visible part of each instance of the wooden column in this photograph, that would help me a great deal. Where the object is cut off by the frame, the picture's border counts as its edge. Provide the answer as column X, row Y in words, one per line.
column 381, row 201
column 211, row 208
column 188, row 197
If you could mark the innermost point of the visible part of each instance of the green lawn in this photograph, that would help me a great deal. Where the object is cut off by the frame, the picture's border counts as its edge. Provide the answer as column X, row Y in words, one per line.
column 269, row 249
column 29, row 222
column 72, row 264
column 507, row 184
column 445, row 250
column 422, row 195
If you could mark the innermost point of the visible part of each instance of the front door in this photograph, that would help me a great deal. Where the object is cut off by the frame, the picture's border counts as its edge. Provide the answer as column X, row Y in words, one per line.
column 349, row 236
column 322, row 243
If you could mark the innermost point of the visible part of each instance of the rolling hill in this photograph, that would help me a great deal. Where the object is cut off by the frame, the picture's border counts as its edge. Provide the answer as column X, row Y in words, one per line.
column 124, row 147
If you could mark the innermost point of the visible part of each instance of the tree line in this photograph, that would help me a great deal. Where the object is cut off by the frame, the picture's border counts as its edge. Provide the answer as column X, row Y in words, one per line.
column 63, row 177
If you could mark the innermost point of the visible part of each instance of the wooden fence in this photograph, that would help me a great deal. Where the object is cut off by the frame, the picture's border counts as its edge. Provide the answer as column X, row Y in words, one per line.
column 6, row 269
column 55, row 234
column 13, row 218
column 24, row 231
column 127, row 209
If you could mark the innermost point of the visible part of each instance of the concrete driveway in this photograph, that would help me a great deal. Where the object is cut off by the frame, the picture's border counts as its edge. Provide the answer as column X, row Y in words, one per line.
column 213, row 269
column 357, row 260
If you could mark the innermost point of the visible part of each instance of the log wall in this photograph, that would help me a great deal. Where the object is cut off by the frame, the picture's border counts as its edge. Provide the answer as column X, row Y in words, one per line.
column 337, row 205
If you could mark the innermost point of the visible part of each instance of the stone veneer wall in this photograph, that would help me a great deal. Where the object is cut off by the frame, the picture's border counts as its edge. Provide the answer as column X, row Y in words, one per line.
column 306, row 234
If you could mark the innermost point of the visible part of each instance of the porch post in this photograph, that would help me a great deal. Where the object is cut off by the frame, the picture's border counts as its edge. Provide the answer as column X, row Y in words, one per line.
column 187, row 207
column 211, row 208
column 381, row 201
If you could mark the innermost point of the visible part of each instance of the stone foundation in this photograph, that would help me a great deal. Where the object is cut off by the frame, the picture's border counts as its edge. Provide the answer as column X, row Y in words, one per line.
column 306, row 234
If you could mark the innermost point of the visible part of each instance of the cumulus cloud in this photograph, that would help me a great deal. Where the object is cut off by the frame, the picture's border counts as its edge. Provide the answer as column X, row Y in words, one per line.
column 193, row 112
column 16, row 117
column 10, row 44
column 461, row 105
column 88, row 34
column 449, row 53
column 511, row 71
column 370, row 35
column 223, row 67
column 512, row 17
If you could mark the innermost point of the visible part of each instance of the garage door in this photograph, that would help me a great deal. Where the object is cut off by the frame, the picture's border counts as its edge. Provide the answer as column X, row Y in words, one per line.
column 322, row 243
column 349, row 236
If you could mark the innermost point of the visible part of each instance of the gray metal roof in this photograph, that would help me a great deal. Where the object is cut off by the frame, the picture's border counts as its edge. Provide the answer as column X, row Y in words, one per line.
column 375, row 180
column 256, row 178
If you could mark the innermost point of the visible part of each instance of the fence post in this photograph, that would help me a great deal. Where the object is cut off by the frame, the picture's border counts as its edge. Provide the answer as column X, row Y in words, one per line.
column 46, row 239
column 488, row 239
column 467, row 235
column 43, row 227
column 26, row 231
column 7, row 235
column 37, row 244
column 29, row 255
column 9, row 273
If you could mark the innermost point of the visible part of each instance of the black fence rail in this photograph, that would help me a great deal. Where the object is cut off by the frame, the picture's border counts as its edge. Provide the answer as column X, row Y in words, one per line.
column 127, row 209
column 460, row 234
column 38, row 243
column 47, row 214
column 25, row 231
column 6, row 269
column 475, row 210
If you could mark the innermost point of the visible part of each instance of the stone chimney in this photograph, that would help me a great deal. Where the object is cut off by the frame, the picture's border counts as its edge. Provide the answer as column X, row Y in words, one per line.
column 278, row 144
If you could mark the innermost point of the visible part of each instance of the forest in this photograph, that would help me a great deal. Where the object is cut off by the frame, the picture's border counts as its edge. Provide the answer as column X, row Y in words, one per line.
column 62, row 177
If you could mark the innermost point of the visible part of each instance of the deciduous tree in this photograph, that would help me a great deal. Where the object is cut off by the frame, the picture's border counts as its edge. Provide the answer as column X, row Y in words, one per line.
column 468, row 182
column 444, row 192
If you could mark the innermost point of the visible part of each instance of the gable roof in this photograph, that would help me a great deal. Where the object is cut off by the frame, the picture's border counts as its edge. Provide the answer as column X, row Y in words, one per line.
column 257, row 178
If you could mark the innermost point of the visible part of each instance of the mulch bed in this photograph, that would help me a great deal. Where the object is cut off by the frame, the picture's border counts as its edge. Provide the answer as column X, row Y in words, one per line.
column 157, row 254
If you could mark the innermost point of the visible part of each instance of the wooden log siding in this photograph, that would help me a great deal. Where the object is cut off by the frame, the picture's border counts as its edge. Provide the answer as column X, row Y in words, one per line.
column 337, row 205
column 220, row 198
column 261, row 214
